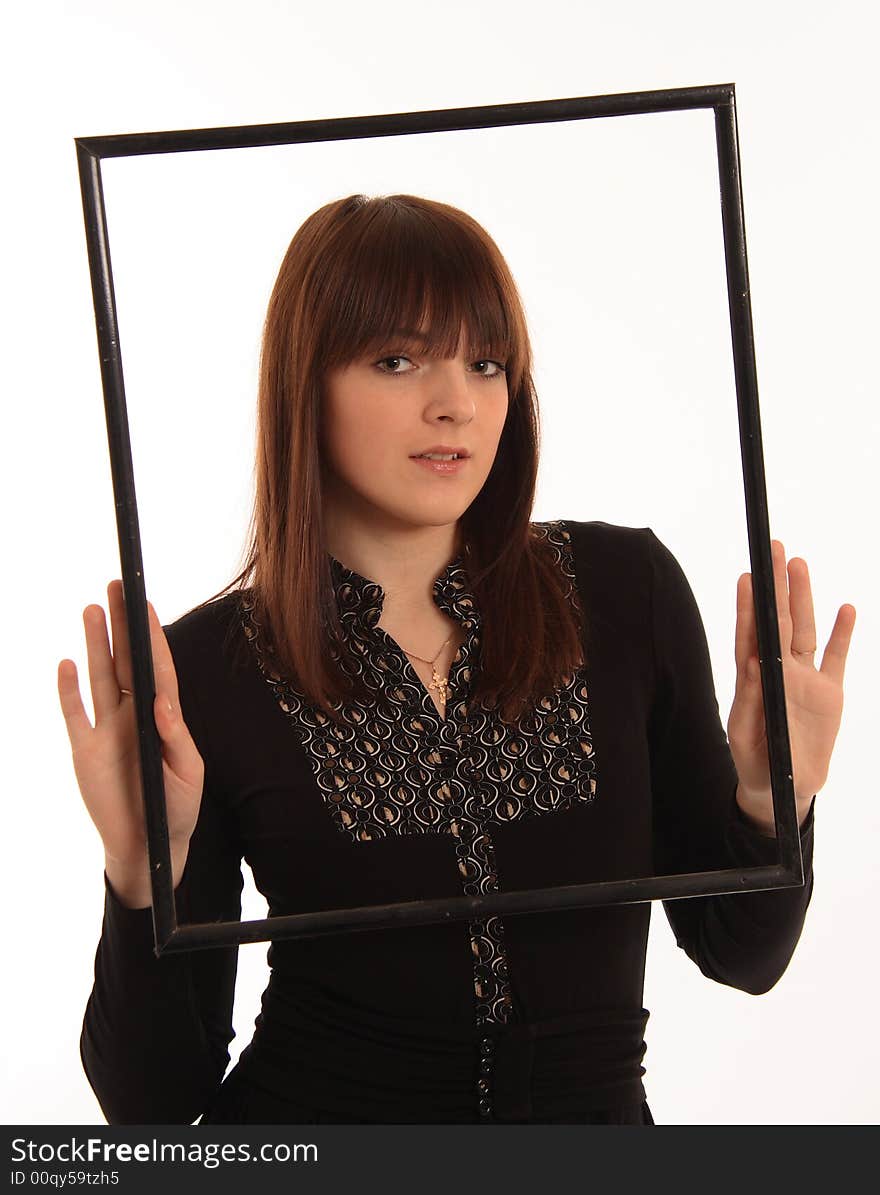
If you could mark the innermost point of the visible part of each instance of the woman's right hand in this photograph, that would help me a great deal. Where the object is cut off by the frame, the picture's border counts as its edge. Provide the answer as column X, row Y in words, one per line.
column 106, row 758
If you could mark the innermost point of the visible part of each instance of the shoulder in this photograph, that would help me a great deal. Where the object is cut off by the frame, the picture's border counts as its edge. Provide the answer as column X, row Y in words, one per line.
column 599, row 546
column 620, row 572
column 199, row 638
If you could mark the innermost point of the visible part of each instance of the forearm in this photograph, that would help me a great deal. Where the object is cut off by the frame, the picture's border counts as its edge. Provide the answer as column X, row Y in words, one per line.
column 156, row 1031
column 746, row 939
column 144, row 1046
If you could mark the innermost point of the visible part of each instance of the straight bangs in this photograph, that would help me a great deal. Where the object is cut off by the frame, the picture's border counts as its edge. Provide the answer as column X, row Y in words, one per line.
column 412, row 277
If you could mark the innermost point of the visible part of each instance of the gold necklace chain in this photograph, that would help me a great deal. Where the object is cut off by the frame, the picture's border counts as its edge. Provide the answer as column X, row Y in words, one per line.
column 438, row 682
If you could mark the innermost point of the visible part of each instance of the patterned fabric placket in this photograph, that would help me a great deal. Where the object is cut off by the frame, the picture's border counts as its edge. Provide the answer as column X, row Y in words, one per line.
column 416, row 772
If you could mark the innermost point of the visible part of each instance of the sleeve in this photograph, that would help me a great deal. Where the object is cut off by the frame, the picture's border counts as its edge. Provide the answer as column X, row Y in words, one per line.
column 744, row 939
column 155, row 1035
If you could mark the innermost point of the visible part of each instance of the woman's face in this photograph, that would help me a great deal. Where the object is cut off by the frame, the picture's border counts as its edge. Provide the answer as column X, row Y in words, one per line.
column 381, row 412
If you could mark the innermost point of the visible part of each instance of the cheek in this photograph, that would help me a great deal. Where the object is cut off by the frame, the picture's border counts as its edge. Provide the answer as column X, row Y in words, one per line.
column 501, row 414
column 358, row 439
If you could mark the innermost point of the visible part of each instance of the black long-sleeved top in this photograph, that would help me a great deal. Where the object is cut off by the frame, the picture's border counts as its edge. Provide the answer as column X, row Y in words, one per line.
column 624, row 771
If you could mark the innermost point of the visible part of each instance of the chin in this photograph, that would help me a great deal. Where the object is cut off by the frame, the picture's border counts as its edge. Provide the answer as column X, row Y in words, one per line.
column 407, row 507
column 425, row 514
column 434, row 518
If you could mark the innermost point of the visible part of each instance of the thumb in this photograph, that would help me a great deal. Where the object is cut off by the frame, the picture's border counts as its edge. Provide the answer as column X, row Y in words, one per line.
column 178, row 747
column 164, row 709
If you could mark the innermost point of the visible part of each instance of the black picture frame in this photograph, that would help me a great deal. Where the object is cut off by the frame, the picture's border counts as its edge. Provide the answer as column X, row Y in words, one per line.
column 788, row 870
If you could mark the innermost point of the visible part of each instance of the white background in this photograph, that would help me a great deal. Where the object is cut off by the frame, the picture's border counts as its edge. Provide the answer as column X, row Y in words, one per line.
column 612, row 230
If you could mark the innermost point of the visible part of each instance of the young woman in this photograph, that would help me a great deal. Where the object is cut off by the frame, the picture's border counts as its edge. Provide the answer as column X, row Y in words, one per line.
column 412, row 691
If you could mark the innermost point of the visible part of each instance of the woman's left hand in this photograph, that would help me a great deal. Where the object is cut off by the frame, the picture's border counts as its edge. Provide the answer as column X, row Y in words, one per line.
column 813, row 697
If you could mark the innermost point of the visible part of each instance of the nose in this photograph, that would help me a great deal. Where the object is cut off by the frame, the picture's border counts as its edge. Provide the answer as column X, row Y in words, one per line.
column 451, row 392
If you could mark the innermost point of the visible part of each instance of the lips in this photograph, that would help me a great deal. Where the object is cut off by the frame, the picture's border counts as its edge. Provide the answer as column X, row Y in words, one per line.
column 442, row 467
column 442, row 450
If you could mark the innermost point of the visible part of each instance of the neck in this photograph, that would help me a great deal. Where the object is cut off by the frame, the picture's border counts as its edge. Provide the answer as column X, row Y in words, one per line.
column 405, row 561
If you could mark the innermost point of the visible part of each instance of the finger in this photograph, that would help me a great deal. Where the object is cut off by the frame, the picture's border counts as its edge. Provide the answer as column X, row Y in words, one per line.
column 803, row 621
column 121, row 644
column 102, row 674
column 75, row 717
column 745, row 638
column 164, row 674
column 834, row 656
column 780, row 584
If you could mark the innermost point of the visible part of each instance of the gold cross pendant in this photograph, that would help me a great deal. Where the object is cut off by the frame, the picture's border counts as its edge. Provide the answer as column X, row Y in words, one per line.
column 439, row 683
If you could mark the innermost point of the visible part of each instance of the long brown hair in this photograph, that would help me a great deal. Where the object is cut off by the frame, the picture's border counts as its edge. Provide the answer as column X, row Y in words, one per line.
column 357, row 269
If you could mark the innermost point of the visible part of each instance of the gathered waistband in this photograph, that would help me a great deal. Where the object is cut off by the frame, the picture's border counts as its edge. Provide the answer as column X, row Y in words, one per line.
column 314, row 1047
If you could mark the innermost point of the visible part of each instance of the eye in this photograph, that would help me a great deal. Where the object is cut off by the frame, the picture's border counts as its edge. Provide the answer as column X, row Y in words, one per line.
column 395, row 357
column 499, row 369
